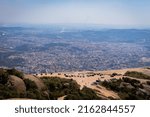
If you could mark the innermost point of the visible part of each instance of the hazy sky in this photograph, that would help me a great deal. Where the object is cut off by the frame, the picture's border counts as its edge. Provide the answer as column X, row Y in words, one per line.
column 103, row 12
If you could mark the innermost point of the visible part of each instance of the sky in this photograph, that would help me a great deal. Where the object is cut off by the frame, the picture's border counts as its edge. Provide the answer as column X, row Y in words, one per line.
column 125, row 13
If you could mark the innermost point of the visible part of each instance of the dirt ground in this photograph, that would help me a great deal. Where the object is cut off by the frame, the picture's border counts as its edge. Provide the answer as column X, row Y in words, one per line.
column 90, row 78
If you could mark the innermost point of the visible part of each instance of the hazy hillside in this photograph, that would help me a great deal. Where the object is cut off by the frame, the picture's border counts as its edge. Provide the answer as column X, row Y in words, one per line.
column 55, row 49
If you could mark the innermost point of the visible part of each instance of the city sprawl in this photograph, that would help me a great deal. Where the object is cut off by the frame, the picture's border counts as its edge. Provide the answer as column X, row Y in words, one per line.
column 41, row 50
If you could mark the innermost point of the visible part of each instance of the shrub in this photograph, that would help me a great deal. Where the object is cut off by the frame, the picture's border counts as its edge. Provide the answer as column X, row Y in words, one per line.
column 129, row 80
column 60, row 86
column 3, row 76
column 113, row 74
column 30, row 84
column 73, row 96
column 112, row 85
column 84, row 94
column 6, row 93
column 15, row 72
column 33, row 94
column 148, row 82
column 137, row 75
column 88, row 94
column 125, row 92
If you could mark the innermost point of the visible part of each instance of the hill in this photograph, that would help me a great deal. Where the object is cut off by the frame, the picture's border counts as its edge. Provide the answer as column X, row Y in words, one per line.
column 83, row 85
column 133, row 83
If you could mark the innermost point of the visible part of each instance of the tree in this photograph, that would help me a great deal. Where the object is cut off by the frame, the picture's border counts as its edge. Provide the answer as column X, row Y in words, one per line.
column 3, row 76
column 15, row 73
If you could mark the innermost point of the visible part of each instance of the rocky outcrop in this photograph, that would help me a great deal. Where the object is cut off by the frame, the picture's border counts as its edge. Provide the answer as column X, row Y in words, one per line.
column 16, row 83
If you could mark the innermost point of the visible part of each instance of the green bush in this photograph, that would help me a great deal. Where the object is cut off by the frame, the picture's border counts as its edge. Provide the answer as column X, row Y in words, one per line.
column 73, row 96
column 32, row 91
column 15, row 73
column 85, row 94
column 60, row 86
column 137, row 75
column 129, row 80
column 126, row 92
column 113, row 74
column 33, row 94
column 88, row 94
column 133, row 82
column 6, row 93
column 3, row 76
column 30, row 84
column 112, row 85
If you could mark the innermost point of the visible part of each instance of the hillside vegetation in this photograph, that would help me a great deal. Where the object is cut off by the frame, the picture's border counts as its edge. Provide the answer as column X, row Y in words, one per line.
column 135, row 74
column 59, row 87
column 15, row 84
column 130, row 87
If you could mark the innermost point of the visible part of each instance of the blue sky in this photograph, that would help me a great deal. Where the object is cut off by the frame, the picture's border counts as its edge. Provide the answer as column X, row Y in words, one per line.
column 125, row 13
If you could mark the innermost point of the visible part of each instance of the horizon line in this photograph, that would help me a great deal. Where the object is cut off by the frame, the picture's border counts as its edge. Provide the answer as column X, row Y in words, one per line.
column 77, row 25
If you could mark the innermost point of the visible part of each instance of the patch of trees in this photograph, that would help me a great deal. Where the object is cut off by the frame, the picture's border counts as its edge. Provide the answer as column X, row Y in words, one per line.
column 84, row 94
column 6, row 92
column 59, row 87
column 15, row 73
column 114, row 74
column 69, row 88
column 137, row 75
column 112, row 85
column 55, row 87
column 32, row 91
column 3, row 76
column 30, row 84
column 127, row 89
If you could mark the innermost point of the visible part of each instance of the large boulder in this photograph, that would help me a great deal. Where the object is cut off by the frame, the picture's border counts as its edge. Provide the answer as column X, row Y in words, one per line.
column 17, row 84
